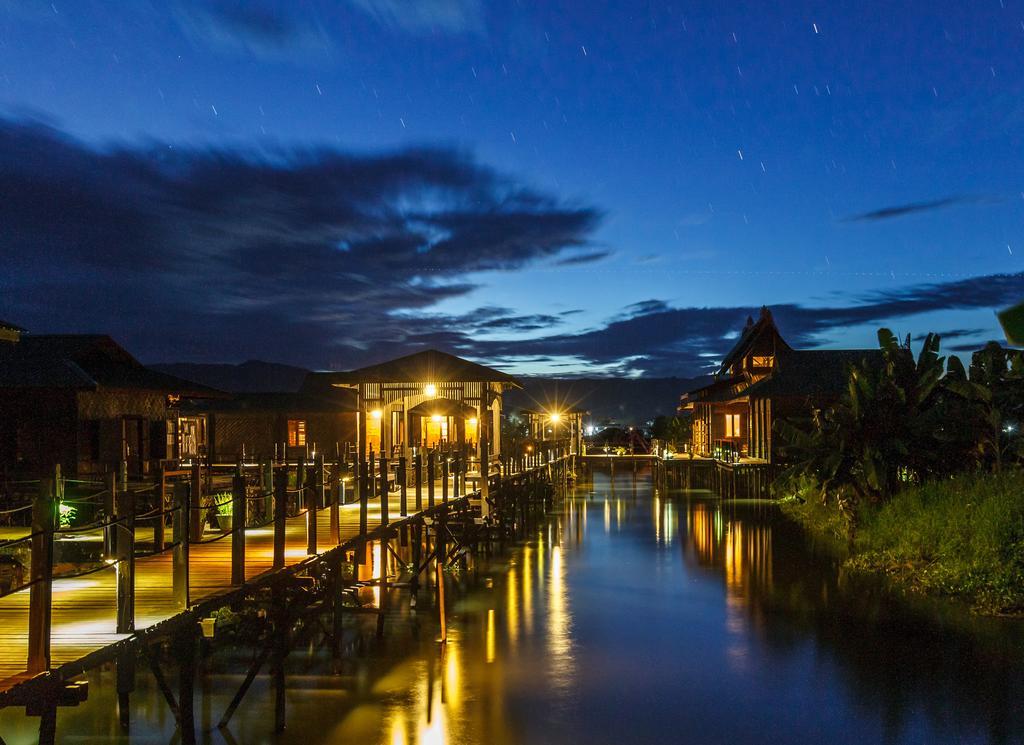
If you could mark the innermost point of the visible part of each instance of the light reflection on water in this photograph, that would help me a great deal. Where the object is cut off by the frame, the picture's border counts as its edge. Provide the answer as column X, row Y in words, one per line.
column 671, row 618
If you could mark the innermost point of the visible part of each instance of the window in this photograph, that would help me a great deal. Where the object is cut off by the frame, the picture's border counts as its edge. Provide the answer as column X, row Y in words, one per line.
column 765, row 361
column 296, row 433
column 732, row 425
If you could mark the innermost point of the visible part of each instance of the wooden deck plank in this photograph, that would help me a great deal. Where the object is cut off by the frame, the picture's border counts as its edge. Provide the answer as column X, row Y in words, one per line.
column 84, row 608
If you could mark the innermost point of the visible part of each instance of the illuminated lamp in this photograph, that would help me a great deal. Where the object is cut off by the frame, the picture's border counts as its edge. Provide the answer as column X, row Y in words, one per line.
column 430, row 389
column 472, row 420
column 556, row 417
column 435, row 418
column 376, row 413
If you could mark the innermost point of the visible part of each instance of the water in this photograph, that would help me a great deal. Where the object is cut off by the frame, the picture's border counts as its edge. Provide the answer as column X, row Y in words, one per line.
column 630, row 617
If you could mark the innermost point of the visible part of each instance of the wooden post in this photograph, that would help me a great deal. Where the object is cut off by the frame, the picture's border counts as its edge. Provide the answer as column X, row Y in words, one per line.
column 444, row 477
column 108, row 510
column 335, row 502
column 418, row 465
column 430, row 479
column 125, row 684
column 337, row 604
column 373, row 475
column 485, row 476
column 238, row 520
column 159, row 525
column 267, row 486
column 40, row 608
column 197, row 519
column 457, row 463
column 186, row 654
column 440, row 602
column 364, row 496
column 280, row 514
column 382, row 610
column 181, row 530
column 384, row 501
column 403, row 495
column 124, row 512
column 314, row 497
column 281, row 634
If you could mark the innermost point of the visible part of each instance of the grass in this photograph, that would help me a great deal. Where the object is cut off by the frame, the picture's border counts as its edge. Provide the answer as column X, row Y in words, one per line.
column 962, row 538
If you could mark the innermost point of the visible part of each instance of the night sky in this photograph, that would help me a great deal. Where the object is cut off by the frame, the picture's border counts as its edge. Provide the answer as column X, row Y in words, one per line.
column 555, row 187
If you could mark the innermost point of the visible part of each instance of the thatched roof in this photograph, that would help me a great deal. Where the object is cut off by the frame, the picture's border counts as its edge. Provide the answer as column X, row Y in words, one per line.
column 85, row 362
column 429, row 366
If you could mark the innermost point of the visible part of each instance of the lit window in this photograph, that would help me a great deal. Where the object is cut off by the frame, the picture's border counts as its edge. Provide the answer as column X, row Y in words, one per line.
column 765, row 361
column 296, row 433
column 732, row 425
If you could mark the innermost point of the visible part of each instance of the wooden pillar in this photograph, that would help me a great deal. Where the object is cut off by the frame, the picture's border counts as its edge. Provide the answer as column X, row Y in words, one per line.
column 314, row 499
column 382, row 610
column 159, row 524
column 181, row 531
column 445, row 469
column 109, row 496
column 125, row 684
column 337, row 603
column 485, row 472
column 281, row 634
column 186, row 654
column 197, row 519
column 280, row 514
column 40, row 608
column 335, row 504
column 403, row 496
column 124, row 512
column 267, row 481
column 384, row 501
column 430, row 479
column 238, row 519
column 373, row 474
column 364, row 496
column 457, row 474
column 418, row 465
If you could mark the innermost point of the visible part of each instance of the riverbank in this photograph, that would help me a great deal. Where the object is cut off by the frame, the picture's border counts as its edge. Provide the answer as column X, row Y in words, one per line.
column 962, row 539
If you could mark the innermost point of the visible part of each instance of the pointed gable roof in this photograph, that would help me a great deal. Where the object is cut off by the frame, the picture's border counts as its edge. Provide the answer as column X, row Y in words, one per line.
column 428, row 366
column 753, row 332
column 85, row 362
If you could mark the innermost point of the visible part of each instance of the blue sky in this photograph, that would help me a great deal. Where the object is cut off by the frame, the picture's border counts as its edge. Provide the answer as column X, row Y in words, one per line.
column 679, row 165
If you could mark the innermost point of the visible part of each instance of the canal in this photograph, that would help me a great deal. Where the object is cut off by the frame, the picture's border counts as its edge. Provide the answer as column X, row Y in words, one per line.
column 630, row 616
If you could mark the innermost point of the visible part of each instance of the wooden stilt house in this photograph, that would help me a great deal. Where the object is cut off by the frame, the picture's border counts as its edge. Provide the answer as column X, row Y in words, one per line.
column 760, row 380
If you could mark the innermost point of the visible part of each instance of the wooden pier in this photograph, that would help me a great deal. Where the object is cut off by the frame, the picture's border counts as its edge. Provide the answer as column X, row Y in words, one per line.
column 156, row 581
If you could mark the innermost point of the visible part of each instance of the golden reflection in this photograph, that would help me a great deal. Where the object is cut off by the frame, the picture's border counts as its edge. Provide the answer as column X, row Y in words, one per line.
column 490, row 636
column 527, row 590
column 512, row 604
column 607, row 517
column 559, row 622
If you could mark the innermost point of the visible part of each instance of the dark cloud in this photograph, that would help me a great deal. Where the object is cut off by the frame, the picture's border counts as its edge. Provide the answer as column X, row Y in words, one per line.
column 584, row 258
column 252, row 26
column 902, row 210
column 426, row 16
column 314, row 257
column 659, row 340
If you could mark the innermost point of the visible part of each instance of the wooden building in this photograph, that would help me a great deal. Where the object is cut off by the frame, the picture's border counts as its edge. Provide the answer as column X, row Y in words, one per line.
column 283, row 425
column 557, row 424
column 83, row 402
column 424, row 400
column 760, row 380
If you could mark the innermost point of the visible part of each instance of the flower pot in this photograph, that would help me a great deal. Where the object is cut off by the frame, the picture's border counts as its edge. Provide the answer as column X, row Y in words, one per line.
column 225, row 522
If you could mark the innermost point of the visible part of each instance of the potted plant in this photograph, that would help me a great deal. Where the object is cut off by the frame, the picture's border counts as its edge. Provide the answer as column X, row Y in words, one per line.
column 225, row 511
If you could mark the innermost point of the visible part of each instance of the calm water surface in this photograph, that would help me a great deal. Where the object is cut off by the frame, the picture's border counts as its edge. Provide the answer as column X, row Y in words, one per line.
column 634, row 617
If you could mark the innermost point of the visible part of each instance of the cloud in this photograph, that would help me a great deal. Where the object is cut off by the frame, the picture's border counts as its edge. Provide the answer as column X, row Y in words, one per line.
column 584, row 258
column 426, row 16
column 250, row 26
column 316, row 257
column 654, row 338
column 902, row 210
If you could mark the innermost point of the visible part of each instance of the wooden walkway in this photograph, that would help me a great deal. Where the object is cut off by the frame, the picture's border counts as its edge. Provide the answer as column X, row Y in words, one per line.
column 84, row 608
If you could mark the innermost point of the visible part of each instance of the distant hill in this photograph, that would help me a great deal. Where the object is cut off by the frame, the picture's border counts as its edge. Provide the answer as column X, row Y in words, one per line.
column 622, row 400
column 253, row 376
